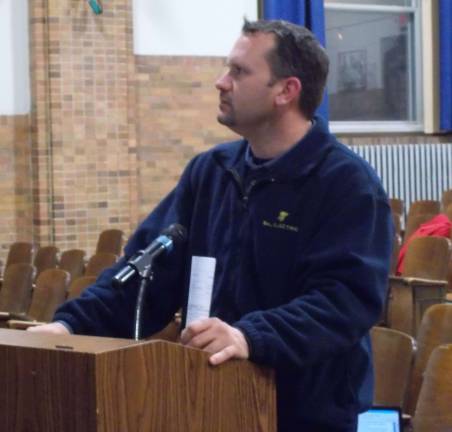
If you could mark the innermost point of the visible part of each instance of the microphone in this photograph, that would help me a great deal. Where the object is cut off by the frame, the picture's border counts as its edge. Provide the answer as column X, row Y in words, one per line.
column 143, row 259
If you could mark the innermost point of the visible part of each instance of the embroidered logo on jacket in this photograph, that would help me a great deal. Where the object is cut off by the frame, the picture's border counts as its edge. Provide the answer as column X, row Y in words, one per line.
column 280, row 224
column 282, row 216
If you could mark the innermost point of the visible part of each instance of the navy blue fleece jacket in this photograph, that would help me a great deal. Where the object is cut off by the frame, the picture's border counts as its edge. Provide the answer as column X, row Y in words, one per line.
column 303, row 245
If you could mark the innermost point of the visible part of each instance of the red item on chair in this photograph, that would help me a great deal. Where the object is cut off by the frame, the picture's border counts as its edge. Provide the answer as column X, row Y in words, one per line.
column 438, row 226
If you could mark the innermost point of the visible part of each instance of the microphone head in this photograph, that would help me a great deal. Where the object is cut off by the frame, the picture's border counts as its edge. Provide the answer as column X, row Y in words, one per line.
column 176, row 232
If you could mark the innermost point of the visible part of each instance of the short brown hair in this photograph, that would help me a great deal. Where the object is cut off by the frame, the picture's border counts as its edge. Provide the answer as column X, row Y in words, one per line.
column 297, row 53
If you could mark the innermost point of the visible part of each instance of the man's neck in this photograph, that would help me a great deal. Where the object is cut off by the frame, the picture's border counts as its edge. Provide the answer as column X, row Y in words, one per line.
column 273, row 140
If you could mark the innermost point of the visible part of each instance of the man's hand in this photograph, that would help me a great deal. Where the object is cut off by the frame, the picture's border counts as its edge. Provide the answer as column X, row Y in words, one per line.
column 52, row 328
column 217, row 337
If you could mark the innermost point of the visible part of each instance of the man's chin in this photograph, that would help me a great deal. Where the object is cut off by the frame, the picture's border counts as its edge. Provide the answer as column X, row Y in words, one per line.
column 225, row 120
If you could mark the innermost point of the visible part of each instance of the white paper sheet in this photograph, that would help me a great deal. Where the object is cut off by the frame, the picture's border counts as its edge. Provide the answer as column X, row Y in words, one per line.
column 201, row 284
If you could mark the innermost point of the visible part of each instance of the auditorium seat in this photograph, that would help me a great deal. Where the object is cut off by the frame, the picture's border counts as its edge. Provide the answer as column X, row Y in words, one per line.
column 397, row 206
column 422, row 284
column 427, row 257
column 425, row 206
column 78, row 285
column 110, row 241
column 449, row 213
column 19, row 252
column 15, row 295
column 435, row 330
column 433, row 410
column 99, row 262
column 73, row 261
column 46, row 258
column 446, row 199
column 414, row 221
column 420, row 211
column 393, row 353
column 50, row 292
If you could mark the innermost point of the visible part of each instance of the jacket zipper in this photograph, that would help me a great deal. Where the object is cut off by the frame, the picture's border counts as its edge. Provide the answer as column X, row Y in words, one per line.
column 245, row 193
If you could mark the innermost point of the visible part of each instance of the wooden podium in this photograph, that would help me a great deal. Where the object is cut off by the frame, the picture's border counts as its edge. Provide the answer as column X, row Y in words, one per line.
column 82, row 383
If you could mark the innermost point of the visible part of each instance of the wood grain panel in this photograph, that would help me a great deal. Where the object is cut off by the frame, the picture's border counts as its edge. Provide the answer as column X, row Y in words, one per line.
column 46, row 390
column 193, row 396
column 90, row 384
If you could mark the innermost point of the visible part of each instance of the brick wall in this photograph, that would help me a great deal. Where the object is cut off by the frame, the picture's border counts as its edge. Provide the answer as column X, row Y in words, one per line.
column 176, row 105
column 111, row 131
column 84, row 146
column 15, row 182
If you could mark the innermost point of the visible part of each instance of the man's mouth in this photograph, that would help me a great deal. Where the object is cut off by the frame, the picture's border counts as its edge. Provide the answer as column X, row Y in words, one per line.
column 224, row 99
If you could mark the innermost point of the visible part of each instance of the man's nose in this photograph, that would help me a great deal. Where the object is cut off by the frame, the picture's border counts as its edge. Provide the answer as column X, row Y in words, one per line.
column 223, row 83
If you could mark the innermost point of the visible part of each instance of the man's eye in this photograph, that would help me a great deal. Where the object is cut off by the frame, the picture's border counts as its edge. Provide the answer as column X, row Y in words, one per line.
column 235, row 70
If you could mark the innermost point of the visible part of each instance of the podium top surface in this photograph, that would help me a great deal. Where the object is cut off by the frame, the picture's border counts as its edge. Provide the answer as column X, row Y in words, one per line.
column 76, row 343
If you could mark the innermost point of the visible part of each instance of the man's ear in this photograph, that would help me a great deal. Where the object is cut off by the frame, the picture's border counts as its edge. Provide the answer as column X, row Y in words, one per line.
column 290, row 90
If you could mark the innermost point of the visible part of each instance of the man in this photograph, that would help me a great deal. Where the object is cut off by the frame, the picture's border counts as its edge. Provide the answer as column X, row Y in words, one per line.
column 301, row 231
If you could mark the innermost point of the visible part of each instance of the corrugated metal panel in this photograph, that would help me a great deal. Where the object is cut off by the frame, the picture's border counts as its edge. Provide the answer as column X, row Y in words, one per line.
column 411, row 171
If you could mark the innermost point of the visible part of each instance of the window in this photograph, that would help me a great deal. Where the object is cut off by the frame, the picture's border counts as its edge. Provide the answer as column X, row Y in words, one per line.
column 375, row 71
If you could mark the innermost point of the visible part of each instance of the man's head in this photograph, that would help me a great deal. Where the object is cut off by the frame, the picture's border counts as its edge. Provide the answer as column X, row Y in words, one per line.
column 296, row 53
column 274, row 68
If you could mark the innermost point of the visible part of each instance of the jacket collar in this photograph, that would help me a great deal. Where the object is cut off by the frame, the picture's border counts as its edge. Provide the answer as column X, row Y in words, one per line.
column 298, row 161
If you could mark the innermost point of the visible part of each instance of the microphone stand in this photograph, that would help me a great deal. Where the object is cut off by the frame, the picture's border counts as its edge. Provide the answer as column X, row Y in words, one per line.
column 143, row 265
column 147, row 275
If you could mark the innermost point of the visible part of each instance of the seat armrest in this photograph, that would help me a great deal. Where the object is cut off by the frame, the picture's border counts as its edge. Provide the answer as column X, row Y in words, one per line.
column 425, row 282
column 417, row 281
column 23, row 325
column 5, row 315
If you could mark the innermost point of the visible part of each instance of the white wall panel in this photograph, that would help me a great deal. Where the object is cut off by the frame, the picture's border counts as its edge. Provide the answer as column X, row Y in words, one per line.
column 14, row 52
column 195, row 27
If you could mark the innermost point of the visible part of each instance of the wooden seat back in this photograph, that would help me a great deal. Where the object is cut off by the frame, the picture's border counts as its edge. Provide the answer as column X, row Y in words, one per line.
column 49, row 293
column 397, row 206
column 110, row 241
column 414, row 221
column 393, row 354
column 427, row 258
column 46, row 258
column 446, row 199
column 73, row 261
column 433, row 410
column 78, row 285
column 425, row 206
column 449, row 213
column 99, row 262
column 435, row 330
column 19, row 252
column 15, row 295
